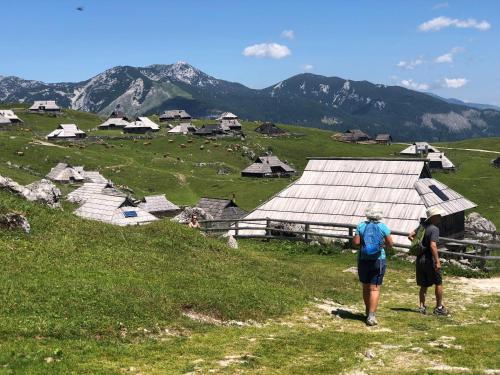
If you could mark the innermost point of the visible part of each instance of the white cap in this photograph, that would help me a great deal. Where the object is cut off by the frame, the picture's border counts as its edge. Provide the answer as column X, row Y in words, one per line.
column 374, row 212
column 433, row 211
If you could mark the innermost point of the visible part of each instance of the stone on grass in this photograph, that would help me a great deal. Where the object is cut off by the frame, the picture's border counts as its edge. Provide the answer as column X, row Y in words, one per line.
column 40, row 191
column 231, row 242
column 185, row 216
column 14, row 221
column 475, row 223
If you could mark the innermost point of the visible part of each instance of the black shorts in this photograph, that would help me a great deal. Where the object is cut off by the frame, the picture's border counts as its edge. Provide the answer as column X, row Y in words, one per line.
column 426, row 274
column 371, row 271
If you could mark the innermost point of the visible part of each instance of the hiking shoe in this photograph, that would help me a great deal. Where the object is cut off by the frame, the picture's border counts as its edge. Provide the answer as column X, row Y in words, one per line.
column 371, row 321
column 441, row 310
column 422, row 310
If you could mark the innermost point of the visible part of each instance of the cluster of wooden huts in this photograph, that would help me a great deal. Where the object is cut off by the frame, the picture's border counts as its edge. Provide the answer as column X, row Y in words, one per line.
column 357, row 136
column 228, row 125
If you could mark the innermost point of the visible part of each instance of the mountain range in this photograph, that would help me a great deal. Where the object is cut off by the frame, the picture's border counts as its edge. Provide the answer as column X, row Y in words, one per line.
column 305, row 99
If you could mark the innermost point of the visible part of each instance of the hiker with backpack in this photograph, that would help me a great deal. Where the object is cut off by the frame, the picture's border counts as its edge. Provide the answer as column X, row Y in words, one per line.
column 372, row 235
column 428, row 266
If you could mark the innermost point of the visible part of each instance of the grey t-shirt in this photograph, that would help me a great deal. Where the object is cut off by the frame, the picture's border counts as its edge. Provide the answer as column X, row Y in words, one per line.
column 431, row 234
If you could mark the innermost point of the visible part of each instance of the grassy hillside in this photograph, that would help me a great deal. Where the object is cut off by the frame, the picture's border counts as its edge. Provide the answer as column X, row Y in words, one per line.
column 83, row 297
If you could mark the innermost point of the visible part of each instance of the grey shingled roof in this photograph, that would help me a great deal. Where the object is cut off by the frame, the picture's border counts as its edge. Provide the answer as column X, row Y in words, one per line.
column 270, row 129
column 111, row 209
column 220, row 208
column 63, row 172
column 383, row 137
column 157, row 204
column 264, row 164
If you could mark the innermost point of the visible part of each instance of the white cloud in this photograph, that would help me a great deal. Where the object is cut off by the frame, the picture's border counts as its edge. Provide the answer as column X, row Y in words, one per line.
column 441, row 22
column 410, row 65
column 448, row 57
column 441, row 5
column 307, row 67
column 288, row 34
column 411, row 84
column 454, row 83
column 271, row 50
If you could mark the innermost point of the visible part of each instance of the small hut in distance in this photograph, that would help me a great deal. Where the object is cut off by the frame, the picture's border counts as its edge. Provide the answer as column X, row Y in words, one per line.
column 10, row 116
column 269, row 128
column 67, row 132
column 268, row 166
column 383, row 139
column 354, row 136
column 496, row 162
column 42, row 106
column 175, row 115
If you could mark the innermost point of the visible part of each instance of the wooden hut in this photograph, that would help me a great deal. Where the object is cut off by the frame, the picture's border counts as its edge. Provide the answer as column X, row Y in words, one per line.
column 10, row 116
column 268, row 166
column 496, row 162
column 114, row 210
column 338, row 190
column 183, row 128
column 65, row 174
column 268, row 128
column 210, row 130
column 354, row 136
column 119, row 113
column 383, row 139
column 114, row 123
column 175, row 115
column 42, row 106
column 67, row 132
column 159, row 206
column 141, row 125
column 225, row 209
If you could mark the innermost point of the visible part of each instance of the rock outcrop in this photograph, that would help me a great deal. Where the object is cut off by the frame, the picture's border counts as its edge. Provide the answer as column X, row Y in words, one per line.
column 475, row 224
column 40, row 191
column 14, row 220
column 185, row 216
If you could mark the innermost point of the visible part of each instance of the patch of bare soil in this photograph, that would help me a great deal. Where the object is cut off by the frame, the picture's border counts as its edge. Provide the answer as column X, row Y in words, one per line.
column 475, row 287
column 43, row 143
column 205, row 318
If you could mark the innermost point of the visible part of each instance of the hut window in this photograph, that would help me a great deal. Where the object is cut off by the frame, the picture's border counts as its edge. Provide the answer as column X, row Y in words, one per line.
column 439, row 193
column 128, row 214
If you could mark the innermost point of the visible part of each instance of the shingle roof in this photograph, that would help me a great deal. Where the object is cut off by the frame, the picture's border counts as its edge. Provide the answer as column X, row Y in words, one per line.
column 383, row 137
column 183, row 128
column 157, row 204
column 227, row 116
column 339, row 191
column 269, row 128
column 113, row 210
column 9, row 115
column 48, row 104
column 440, row 158
column 63, row 172
column 412, row 149
column 118, row 122
column 4, row 120
column 220, row 208
column 66, row 131
column 83, row 193
column 175, row 113
column 264, row 164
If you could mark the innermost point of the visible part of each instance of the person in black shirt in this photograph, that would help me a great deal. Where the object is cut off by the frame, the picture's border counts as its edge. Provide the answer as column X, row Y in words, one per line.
column 428, row 265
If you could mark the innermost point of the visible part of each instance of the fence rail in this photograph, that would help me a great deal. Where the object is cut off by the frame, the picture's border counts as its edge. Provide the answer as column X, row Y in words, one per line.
column 269, row 230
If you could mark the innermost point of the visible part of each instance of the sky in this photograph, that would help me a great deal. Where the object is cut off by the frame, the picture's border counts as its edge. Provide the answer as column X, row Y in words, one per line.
column 450, row 48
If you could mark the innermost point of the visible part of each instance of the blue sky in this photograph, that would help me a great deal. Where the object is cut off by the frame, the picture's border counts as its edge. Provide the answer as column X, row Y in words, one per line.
column 451, row 48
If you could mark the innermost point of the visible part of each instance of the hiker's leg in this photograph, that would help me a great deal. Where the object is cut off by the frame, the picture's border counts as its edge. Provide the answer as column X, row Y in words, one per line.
column 439, row 295
column 374, row 296
column 366, row 296
column 421, row 295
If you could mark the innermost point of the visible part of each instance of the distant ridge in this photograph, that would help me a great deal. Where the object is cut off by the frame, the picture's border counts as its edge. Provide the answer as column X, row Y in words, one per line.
column 305, row 99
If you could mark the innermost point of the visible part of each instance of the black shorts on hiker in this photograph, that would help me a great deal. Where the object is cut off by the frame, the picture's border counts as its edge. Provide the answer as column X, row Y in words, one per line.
column 371, row 271
column 426, row 274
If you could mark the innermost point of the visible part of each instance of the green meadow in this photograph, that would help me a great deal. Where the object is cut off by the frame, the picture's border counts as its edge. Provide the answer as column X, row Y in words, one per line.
column 84, row 297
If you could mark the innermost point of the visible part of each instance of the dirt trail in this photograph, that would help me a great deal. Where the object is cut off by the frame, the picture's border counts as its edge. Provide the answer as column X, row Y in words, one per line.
column 43, row 143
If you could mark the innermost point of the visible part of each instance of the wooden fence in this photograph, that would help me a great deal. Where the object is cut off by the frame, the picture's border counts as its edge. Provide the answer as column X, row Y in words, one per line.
column 451, row 247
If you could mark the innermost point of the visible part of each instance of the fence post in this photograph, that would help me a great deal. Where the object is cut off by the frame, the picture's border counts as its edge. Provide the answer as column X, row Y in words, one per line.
column 268, row 229
column 350, row 237
column 306, row 234
column 482, row 262
column 236, row 230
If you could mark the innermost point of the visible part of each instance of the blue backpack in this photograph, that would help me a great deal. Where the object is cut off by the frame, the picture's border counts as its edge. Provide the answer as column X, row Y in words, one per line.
column 372, row 241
